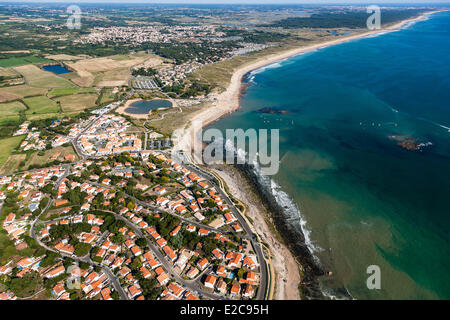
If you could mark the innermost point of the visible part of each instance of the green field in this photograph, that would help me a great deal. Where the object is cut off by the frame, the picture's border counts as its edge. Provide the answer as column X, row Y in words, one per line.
column 11, row 109
column 14, row 62
column 69, row 91
column 9, row 120
column 7, row 145
column 40, row 105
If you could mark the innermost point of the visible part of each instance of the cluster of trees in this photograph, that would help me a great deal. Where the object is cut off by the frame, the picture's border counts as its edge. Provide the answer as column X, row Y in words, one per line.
column 150, row 288
column 75, row 196
column 164, row 224
column 149, row 72
column 197, row 88
column 26, row 286
column 342, row 19
column 180, row 53
column 58, row 232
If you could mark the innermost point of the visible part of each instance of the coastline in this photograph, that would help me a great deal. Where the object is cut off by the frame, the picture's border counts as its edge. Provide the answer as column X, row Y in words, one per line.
column 228, row 101
column 287, row 273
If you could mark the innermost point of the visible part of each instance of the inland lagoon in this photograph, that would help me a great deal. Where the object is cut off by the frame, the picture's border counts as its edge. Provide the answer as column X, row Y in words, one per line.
column 145, row 106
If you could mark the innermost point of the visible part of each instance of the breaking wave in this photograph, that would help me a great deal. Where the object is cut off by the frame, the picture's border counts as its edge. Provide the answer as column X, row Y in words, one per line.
column 290, row 210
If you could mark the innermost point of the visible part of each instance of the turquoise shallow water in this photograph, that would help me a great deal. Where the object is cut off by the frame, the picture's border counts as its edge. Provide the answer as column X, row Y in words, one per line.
column 366, row 200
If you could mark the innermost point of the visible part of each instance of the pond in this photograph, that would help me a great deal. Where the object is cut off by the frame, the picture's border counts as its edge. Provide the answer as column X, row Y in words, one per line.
column 144, row 106
column 56, row 69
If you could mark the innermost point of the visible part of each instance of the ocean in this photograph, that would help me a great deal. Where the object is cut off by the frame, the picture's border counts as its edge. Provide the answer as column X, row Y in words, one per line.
column 363, row 199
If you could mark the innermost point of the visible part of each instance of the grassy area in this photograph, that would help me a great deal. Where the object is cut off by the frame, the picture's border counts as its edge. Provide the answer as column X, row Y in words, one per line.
column 8, row 72
column 9, row 121
column 107, row 96
column 7, row 145
column 11, row 109
column 20, row 92
column 68, row 91
column 40, row 105
column 173, row 119
column 121, row 58
column 39, row 78
column 77, row 102
column 14, row 62
column 37, row 159
column 12, row 163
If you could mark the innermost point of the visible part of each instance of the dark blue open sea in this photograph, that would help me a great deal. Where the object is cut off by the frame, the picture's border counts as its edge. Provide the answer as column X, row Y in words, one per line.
column 366, row 200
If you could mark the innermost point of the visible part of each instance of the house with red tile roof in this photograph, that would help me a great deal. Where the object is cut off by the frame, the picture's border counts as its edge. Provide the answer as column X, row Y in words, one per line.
column 190, row 228
column 192, row 272
column 235, row 290
column 176, row 290
column 210, row 281
column 136, row 251
column 58, row 290
column 202, row 263
column 169, row 252
column 106, row 294
column 161, row 242
column 163, row 278
column 249, row 263
column 221, row 271
column 175, row 231
column 134, row 291
column 218, row 254
column 145, row 272
column 249, row 291
column 53, row 273
column 237, row 227
column 203, row 232
column 9, row 219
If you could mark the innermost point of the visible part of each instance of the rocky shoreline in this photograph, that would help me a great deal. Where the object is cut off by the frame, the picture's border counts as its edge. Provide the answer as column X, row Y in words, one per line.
column 291, row 235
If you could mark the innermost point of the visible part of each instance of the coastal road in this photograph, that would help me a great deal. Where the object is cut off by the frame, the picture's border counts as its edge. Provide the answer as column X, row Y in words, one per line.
column 252, row 236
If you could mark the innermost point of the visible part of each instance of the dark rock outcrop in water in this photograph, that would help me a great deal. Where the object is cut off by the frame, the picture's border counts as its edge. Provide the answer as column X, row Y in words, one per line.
column 410, row 144
column 272, row 111
column 292, row 235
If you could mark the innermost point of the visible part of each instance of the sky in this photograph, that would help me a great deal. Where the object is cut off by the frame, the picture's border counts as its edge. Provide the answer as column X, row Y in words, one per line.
column 243, row 1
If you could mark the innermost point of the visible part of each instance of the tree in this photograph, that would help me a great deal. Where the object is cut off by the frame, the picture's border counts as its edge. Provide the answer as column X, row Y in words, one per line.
column 141, row 242
column 82, row 249
column 115, row 295
column 27, row 285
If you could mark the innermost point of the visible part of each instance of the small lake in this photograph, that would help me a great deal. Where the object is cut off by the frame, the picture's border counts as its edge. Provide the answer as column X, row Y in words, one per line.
column 144, row 106
column 56, row 69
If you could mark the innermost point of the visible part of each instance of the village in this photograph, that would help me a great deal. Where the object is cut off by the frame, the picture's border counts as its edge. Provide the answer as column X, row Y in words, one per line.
column 121, row 222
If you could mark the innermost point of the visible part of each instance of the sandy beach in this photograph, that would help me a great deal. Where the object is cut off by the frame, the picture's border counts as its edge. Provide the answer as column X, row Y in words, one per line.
column 283, row 262
column 228, row 101
column 121, row 110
